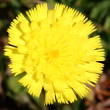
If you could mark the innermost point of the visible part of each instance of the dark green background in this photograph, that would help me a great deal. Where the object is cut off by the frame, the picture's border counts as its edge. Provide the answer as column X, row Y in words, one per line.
column 12, row 95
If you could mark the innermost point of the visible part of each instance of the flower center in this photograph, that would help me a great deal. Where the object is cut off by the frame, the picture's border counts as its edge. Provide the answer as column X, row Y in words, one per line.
column 53, row 54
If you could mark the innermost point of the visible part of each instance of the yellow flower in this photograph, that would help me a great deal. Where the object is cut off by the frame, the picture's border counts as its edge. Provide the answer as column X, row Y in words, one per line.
column 55, row 51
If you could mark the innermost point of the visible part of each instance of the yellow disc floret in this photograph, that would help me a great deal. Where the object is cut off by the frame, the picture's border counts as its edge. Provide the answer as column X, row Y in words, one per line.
column 55, row 51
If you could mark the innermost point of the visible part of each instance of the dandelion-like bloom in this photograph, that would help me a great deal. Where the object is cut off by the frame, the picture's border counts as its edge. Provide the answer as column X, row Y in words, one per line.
column 55, row 51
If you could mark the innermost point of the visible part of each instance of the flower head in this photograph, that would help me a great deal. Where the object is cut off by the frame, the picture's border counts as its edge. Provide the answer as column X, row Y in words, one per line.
column 55, row 51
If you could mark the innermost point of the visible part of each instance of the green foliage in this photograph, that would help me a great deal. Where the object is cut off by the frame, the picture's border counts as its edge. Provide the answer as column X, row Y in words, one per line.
column 107, row 22
column 95, row 10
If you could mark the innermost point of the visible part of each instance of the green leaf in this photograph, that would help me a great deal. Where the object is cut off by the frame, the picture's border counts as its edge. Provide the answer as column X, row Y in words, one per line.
column 15, row 3
column 100, row 9
column 67, row 107
column 14, row 85
column 107, row 23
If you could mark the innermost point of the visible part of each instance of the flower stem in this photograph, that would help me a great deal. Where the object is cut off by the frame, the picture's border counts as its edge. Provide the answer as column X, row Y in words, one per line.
column 44, row 107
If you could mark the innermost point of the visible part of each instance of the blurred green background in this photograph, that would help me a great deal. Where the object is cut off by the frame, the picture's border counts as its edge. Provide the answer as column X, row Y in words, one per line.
column 13, row 96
